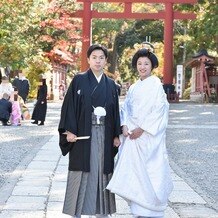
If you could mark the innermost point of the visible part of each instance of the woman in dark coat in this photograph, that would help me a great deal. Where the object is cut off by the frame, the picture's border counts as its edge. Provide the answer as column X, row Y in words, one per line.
column 40, row 108
column 90, row 108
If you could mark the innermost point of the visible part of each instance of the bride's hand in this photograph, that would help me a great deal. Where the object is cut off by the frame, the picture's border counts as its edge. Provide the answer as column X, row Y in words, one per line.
column 136, row 133
column 125, row 131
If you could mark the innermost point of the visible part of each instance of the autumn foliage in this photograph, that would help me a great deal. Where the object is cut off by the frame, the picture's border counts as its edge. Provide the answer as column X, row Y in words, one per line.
column 61, row 33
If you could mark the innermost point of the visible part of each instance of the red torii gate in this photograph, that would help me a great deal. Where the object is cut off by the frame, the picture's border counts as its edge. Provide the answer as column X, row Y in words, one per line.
column 168, row 15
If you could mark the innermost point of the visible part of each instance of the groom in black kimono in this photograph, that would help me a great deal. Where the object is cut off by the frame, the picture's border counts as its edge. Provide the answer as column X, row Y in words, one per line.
column 90, row 108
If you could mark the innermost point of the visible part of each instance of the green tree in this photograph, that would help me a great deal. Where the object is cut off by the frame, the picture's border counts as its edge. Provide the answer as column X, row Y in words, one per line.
column 36, row 66
column 204, row 29
column 28, row 27
column 16, row 17
column 194, row 35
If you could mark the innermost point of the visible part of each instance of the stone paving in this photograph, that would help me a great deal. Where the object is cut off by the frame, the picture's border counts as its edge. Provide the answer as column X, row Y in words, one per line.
column 39, row 191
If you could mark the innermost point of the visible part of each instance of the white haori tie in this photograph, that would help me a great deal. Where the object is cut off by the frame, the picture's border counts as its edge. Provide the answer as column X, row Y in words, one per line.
column 99, row 112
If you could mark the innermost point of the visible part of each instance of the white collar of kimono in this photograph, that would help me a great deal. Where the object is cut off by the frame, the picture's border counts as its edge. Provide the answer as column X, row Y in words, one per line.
column 99, row 77
column 146, row 79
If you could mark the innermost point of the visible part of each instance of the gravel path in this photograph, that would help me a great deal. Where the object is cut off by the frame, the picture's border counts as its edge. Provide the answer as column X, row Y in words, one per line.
column 192, row 142
column 17, row 142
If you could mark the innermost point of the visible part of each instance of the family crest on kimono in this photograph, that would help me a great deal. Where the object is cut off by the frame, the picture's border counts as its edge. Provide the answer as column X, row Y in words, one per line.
column 89, row 131
column 142, row 173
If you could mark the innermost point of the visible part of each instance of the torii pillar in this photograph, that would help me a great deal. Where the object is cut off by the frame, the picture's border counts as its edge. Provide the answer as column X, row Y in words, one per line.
column 168, row 15
column 168, row 44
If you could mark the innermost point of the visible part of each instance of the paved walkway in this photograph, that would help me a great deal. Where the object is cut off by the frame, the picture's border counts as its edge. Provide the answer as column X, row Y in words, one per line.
column 38, row 191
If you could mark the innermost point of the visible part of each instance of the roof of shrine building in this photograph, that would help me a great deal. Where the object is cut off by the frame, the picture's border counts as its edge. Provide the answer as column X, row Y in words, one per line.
column 196, row 59
column 202, row 52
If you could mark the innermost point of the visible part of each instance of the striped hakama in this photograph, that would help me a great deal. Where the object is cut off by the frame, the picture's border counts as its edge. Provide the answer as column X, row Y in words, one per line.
column 86, row 192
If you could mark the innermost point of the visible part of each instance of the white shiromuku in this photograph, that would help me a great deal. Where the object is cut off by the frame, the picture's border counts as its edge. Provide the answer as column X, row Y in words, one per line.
column 142, row 173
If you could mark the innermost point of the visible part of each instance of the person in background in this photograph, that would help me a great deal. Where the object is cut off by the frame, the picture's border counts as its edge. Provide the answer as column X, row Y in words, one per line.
column 5, row 109
column 39, row 111
column 16, row 112
column 6, row 87
column 25, row 114
column 62, row 90
column 142, row 173
column 90, row 108
column 24, row 109
column 22, row 84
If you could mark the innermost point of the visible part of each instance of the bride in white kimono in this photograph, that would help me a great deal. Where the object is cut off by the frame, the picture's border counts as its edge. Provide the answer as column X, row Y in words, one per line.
column 142, row 174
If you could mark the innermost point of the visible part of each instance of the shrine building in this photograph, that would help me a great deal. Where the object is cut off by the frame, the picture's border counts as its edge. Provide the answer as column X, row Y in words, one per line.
column 204, row 79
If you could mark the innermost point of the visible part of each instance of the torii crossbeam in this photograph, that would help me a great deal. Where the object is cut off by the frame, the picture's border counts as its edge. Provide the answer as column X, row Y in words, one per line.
column 168, row 15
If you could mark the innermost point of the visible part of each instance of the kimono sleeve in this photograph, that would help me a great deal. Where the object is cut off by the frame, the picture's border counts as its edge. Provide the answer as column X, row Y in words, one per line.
column 68, row 121
column 65, row 146
column 156, row 121
column 117, row 129
column 124, row 111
